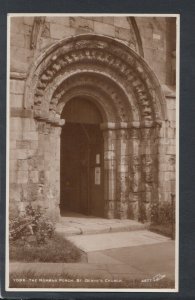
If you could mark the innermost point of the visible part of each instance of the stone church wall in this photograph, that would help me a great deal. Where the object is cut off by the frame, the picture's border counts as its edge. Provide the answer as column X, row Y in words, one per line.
column 157, row 47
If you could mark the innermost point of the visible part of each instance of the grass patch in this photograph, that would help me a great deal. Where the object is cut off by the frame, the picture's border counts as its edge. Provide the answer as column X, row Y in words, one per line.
column 57, row 249
column 64, row 280
column 164, row 229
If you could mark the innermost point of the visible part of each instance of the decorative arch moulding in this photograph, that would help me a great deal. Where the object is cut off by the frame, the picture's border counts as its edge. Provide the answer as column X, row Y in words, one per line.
column 103, row 56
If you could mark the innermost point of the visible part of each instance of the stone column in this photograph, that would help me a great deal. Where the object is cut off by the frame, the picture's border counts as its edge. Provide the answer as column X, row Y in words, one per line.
column 149, row 173
column 135, row 178
column 48, row 195
column 109, row 172
column 122, row 173
column 54, row 171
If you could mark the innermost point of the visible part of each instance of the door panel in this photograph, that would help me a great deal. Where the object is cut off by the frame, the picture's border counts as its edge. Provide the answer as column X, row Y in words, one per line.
column 82, row 169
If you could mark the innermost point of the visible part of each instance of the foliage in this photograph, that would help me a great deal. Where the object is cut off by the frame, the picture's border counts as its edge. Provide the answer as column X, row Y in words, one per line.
column 163, row 213
column 31, row 226
column 163, row 218
column 57, row 249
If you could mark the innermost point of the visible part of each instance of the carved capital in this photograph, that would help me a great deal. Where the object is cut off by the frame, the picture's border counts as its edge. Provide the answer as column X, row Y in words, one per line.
column 134, row 133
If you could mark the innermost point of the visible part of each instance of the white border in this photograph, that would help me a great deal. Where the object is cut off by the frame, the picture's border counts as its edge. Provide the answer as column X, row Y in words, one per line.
column 90, row 290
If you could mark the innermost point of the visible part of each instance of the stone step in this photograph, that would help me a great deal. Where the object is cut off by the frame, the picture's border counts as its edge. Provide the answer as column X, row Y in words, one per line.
column 87, row 226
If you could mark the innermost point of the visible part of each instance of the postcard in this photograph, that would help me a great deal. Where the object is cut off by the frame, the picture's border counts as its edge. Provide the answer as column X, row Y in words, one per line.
column 92, row 152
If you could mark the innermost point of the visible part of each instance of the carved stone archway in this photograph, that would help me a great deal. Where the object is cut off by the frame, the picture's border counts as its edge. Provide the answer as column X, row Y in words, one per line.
column 129, row 97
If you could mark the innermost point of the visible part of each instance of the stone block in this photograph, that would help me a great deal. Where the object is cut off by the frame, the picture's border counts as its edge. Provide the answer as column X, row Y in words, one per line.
column 24, row 153
column 163, row 167
column 69, row 31
column 171, row 103
column 30, row 135
column 22, row 165
column 13, row 164
column 173, row 124
column 162, row 149
column 170, row 133
column 172, row 141
column 123, row 34
column 81, row 22
column 162, row 132
column 17, row 87
column 15, row 192
column 23, row 144
column 171, row 114
column 16, row 100
column 57, row 31
column 20, row 59
column 121, row 22
column 108, row 20
column 169, row 175
column 98, row 19
column 26, row 123
column 17, row 39
column 33, row 176
column 105, row 29
column 163, row 176
column 58, row 20
column 162, row 159
column 19, row 25
column 12, row 176
column 82, row 30
column 167, row 196
column 16, row 124
column 12, row 144
column 28, row 20
column 22, row 176
column 169, row 186
column 34, row 144
column 170, row 149
column 170, row 162
column 21, row 113
column 33, row 124
column 45, row 42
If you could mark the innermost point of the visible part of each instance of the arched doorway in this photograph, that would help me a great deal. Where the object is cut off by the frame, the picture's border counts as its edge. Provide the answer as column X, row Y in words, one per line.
column 119, row 84
column 81, row 159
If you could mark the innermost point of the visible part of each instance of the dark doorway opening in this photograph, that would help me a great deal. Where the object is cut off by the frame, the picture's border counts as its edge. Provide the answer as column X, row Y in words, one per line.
column 82, row 160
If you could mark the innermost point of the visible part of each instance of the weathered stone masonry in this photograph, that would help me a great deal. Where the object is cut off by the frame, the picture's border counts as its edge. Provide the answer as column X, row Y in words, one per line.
column 58, row 59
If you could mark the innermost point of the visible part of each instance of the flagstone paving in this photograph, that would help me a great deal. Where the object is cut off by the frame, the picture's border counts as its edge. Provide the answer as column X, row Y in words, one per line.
column 103, row 241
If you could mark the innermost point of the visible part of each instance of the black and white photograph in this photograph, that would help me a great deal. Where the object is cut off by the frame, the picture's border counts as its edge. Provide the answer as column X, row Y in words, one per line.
column 92, row 152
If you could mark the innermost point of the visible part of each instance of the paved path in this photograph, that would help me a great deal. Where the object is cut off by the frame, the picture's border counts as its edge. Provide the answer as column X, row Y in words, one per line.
column 103, row 241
